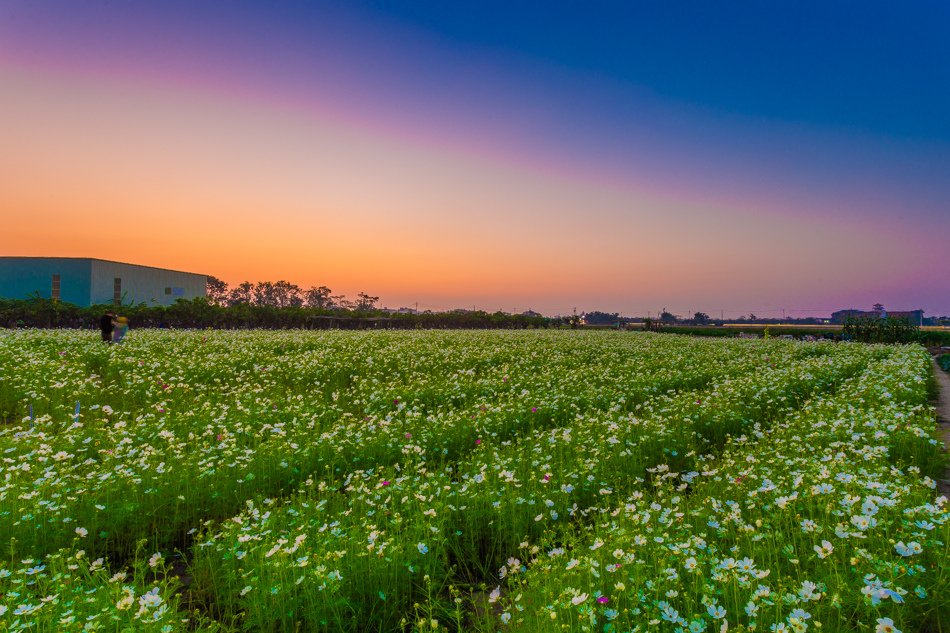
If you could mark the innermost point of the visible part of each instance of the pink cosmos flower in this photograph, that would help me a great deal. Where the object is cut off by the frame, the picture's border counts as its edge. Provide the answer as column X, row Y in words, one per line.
column 603, row 600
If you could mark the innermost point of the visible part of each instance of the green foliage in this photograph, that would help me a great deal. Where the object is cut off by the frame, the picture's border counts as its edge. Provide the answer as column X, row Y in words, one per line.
column 706, row 331
column 601, row 318
column 208, row 313
column 887, row 330
column 944, row 361
column 466, row 481
column 935, row 338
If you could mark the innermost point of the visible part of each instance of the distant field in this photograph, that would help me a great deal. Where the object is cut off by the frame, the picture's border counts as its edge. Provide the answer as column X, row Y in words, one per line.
column 925, row 328
column 930, row 335
column 467, row 481
column 793, row 326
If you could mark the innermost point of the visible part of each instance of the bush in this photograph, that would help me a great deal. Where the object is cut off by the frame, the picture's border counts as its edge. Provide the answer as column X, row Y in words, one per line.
column 43, row 313
column 887, row 330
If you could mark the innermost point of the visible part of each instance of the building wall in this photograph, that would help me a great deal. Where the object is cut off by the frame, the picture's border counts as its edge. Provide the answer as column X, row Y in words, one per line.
column 85, row 281
column 143, row 284
column 23, row 277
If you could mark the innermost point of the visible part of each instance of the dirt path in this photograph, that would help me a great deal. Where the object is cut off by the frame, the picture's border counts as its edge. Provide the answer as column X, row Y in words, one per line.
column 943, row 420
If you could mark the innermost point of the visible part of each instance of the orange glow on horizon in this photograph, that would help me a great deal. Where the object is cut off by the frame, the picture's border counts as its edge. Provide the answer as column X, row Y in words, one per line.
column 245, row 192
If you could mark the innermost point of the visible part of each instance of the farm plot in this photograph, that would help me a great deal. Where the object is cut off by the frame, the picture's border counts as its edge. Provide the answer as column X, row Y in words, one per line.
column 396, row 481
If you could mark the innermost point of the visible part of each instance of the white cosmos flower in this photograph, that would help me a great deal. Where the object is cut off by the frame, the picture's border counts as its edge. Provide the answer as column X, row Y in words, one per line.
column 824, row 550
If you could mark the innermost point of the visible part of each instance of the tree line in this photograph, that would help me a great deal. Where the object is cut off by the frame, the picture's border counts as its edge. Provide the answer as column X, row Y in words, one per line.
column 203, row 312
column 283, row 294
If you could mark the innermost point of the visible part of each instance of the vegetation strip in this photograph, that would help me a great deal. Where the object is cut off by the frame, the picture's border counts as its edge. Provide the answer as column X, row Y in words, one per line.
column 518, row 443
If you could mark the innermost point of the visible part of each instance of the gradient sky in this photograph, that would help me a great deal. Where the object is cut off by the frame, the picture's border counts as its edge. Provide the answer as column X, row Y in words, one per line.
column 624, row 157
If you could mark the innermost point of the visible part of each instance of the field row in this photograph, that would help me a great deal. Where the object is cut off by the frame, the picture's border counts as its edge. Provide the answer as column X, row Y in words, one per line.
column 467, row 481
column 262, row 415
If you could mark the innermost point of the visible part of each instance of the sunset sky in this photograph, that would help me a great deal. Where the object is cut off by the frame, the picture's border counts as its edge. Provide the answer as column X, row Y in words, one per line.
column 622, row 156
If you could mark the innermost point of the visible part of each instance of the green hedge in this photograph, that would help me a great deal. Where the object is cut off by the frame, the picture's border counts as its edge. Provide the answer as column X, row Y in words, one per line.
column 929, row 338
column 201, row 313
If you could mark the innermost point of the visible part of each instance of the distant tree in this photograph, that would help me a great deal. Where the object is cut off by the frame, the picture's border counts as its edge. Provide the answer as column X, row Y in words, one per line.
column 264, row 294
column 601, row 318
column 296, row 297
column 365, row 302
column 667, row 317
column 243, row 293
column 878, row 307
column 318, row 297
column 340, row 302
column 286, row 295
column 217, row 291
column 752, row 316
column 701, row 318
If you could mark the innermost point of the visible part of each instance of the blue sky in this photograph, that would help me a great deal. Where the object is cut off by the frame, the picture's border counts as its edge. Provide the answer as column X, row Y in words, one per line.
column 713, row 156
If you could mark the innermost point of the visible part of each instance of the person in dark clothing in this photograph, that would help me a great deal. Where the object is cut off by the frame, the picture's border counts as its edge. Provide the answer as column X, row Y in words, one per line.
column 106, row 325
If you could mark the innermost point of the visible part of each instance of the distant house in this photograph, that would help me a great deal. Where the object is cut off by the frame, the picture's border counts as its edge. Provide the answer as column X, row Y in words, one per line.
column 87, row 281
column 911, row 316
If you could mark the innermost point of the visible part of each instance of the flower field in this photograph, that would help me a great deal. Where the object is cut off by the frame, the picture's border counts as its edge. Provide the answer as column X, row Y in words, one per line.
column 467, row 481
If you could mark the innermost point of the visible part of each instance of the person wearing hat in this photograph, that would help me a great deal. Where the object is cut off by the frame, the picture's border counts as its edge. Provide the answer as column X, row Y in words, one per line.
column 121, row 327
